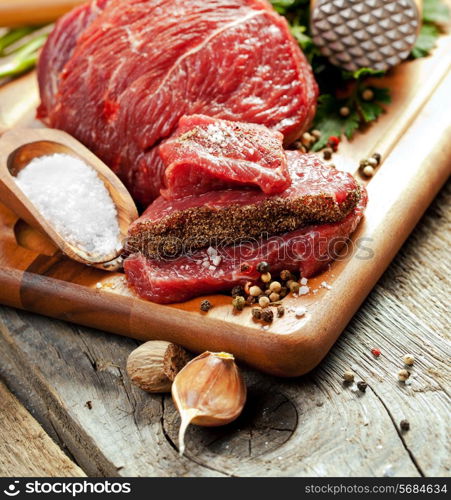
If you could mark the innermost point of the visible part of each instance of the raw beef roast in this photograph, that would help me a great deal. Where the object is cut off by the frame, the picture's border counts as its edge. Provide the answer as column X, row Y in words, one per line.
column 318, row 193
column 207, row 154
column 307, row 250
column 119, row 74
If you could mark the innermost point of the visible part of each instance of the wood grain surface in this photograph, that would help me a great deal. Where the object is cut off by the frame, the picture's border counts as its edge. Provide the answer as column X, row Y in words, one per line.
column 312, row 425
column 405, row 184
column 25, row 449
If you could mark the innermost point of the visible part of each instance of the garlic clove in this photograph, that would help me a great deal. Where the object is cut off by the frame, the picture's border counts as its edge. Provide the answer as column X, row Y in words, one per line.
column 208, row 391
column 154, row 365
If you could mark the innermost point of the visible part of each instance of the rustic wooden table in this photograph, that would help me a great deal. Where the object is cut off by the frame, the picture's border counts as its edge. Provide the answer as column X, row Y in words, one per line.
column 72, row 380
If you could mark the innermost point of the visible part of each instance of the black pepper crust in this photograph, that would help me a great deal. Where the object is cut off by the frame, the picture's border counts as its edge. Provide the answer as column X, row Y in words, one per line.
column 201, row 227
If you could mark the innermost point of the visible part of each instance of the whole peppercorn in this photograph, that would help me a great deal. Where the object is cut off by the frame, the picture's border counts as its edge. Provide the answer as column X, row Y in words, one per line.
column 285, row 275
column 205, row 305
column 237, row 290
column 238, row 303
column 316, row 134
column 263, row 267
column 307, row 139
column 367, row 95
column 251, row 300
column 377, row 157
column 368, row 171
column 348, row 376
column 267, row 316
column 275, row 286
column 263, row 301
column 403, row 375
column 266, row 277
column 244, row 267
column 274, row 297
column 345, row 111
column 372, row 162
column 294, row 287
column 362, row 385
column 255, row 291
column 327, row 153
column 363, row 162
column 404, row 425
column 283, row 292
column 409, row 359
column 256, row 313
column 280, row 311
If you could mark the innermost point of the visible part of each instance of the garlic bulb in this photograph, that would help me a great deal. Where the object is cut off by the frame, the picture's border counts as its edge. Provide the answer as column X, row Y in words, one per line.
column 208, row 391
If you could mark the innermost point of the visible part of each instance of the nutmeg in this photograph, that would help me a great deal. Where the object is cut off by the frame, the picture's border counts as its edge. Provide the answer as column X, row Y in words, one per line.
column 154, row 365
column 208, row 391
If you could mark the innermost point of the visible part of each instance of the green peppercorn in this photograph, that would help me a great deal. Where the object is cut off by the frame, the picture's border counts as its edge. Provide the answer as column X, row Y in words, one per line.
column 238, row 303
column 205, row 305
column 263, row 267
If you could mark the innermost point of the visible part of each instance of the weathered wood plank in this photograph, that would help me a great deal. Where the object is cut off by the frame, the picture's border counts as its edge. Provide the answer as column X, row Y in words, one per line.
column 312, row 425
column 25, row 449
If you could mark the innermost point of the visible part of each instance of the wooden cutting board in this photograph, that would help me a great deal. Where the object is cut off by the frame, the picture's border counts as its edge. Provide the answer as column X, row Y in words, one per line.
column 414, row 138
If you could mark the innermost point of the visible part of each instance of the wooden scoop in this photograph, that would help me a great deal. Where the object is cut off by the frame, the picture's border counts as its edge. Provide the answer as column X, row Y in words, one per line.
column 18, row 147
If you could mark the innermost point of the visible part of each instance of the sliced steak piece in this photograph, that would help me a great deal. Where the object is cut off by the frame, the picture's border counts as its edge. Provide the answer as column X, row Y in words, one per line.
column 317, row 194
column 207, row 154
column 125, row 75
column 307, row 250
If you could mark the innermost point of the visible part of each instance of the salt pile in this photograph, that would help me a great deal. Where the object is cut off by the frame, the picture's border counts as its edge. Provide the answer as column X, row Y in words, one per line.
column 73, row 199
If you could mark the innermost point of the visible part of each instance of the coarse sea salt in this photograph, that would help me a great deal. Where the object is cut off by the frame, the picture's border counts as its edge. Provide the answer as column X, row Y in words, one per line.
column 69, row 194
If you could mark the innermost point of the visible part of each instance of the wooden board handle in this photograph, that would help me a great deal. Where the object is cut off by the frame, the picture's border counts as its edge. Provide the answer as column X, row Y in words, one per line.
column 34, row 12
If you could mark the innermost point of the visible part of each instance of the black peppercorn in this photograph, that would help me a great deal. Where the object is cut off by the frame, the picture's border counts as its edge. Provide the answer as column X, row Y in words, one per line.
column 256, row 313
column 263, row 267
column 251, row 300
column 267, row 315
column 327, row 153
column 285, row 275
column 280, row 311
column 405, row 425
column 237, row 290
column 245, row 267
column 377, row 157
column 205, row 305
column 362, row 385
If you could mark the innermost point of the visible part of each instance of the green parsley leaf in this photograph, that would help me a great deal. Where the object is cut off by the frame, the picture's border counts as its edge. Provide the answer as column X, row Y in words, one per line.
column 435, row 11
column 426, row 41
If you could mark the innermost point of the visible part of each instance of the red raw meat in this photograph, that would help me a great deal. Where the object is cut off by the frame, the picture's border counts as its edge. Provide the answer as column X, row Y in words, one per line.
column 119, row 79
column 307, row 250
column 318, row 193
column 207, row 154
